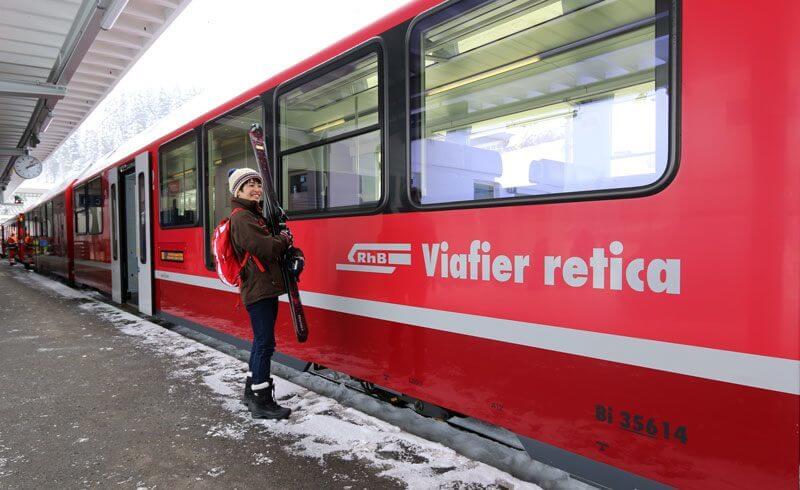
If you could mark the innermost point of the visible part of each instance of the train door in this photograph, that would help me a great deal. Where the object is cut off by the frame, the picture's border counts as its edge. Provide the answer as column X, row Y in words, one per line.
column 125, row 269
column 127, row 266
column 143, row 233
column 116, row 270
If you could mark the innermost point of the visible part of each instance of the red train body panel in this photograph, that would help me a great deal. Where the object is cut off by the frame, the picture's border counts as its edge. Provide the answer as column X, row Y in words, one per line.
column 680, row 365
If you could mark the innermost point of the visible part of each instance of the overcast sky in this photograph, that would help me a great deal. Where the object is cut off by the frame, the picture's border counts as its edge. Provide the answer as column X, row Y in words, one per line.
column 233, row 42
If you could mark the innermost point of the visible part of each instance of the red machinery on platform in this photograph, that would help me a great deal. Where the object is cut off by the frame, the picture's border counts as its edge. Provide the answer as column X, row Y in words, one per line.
column 573, row 219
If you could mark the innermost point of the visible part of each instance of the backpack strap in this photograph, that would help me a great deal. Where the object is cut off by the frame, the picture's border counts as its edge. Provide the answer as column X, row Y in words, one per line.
column 248, row 255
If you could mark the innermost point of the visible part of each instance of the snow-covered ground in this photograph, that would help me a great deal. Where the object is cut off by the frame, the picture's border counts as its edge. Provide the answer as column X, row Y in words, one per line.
column 321, row 426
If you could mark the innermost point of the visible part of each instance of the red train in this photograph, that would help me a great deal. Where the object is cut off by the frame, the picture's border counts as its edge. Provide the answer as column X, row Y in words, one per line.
column 574, row 219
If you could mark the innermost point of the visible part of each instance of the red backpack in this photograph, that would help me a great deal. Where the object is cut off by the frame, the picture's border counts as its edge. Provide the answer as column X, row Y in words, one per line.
column 229, row 267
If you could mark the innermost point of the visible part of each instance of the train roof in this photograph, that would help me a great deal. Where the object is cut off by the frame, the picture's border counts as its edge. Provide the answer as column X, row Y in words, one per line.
column 54, row 191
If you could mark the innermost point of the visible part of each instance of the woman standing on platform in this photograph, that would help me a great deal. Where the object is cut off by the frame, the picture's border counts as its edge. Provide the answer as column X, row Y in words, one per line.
column 261, row 284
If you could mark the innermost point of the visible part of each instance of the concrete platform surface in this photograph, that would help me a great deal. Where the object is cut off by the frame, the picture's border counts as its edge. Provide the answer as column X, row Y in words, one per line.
column 96, row 397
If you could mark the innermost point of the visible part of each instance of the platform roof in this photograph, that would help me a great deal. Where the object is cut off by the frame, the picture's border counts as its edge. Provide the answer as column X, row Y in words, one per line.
column 59, row 59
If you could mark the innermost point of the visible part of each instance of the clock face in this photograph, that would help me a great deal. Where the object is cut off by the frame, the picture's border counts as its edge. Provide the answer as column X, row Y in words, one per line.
column 27, row 166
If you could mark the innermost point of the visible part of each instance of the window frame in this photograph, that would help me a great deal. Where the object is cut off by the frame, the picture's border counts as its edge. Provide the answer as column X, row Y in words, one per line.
column 141, row 217
column 670, row 81
column 199, row 192
column 100, row 207
column 375, row 45
column 48, row 209
column 208, row 226
column 85, row 185
column 30, row 223
column 77, row 192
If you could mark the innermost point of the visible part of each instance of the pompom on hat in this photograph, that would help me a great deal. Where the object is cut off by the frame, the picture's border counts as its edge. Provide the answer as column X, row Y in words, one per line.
column 239, row 176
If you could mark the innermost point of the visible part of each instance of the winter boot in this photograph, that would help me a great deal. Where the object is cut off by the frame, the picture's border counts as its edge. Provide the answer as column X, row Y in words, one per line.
column 248, row 390
column 262, row 404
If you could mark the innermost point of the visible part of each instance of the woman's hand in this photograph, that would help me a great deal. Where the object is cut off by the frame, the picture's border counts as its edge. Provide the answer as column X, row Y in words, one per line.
column 287, row 238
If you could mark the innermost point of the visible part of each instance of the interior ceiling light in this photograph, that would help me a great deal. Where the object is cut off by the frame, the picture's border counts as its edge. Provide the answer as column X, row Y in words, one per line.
column 327, row 125
column 484, row 75
column 48, row 119
column 113, row 11
column 510, row 27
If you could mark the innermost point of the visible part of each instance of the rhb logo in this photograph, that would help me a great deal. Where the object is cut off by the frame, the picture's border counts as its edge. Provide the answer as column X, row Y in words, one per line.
column 378, row 258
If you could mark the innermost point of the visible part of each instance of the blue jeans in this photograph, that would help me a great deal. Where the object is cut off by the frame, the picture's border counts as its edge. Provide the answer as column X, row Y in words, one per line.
column 262, row 318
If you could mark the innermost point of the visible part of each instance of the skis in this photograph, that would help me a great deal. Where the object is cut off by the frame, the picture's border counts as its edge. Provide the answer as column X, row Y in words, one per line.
column 277, row 220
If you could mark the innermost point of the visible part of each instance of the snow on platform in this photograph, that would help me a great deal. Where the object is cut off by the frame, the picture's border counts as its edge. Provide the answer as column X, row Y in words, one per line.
column 320, row 428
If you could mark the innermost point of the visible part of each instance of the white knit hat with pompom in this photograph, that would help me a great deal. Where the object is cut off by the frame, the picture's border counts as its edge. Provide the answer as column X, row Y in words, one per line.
column 238, row 177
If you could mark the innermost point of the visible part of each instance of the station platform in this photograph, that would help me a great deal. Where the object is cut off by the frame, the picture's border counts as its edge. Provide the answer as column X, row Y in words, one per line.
column 94, row 396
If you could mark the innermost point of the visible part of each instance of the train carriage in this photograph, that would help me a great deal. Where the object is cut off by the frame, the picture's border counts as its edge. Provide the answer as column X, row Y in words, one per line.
column 54, row 238
column 572, row 219
column 7, row 230
column 92, row 245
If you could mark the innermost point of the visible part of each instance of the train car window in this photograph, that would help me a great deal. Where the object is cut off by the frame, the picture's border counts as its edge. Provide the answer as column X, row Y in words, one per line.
column 48, row 209
column 538, row 98
column 228, row 147
column 94, row 207
column 330, row 139
column 60, row 218
column 142, row 219
column 178, row 181
column 80, row 210
column 89, row 208
column 50, row 225
column 42, row 222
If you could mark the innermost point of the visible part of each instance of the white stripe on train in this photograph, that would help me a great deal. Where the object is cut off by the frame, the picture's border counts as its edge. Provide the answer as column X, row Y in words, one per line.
column 769, row 373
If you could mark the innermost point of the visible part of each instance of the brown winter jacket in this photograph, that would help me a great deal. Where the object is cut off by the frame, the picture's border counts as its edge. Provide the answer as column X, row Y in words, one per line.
column 250, row 234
